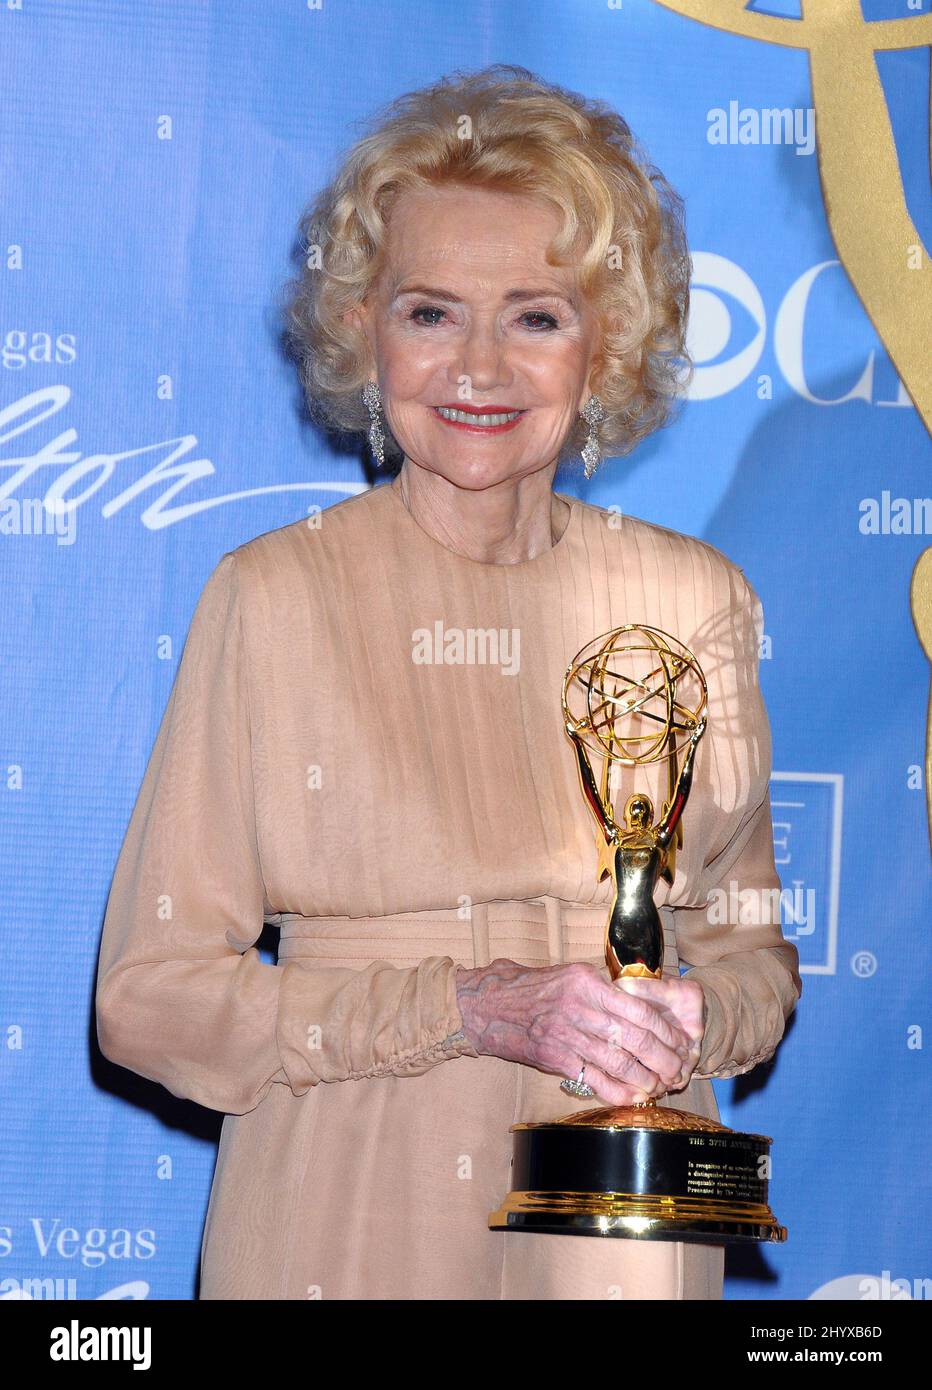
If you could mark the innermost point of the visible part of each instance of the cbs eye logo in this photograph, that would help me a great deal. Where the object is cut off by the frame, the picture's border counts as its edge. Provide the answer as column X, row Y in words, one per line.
column 883, row 254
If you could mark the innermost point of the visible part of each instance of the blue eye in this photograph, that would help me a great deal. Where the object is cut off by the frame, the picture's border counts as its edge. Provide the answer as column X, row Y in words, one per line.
column 424, row 309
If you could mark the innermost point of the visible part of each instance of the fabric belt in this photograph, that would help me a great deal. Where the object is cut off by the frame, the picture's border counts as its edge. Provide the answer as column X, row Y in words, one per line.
column 541, row 931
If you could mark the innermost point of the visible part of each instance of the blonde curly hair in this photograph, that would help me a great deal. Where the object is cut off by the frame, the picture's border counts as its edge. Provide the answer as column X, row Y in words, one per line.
column 504, row 128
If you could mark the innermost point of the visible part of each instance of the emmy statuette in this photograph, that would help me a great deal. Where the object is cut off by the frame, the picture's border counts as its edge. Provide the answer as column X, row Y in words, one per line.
column 636, row 696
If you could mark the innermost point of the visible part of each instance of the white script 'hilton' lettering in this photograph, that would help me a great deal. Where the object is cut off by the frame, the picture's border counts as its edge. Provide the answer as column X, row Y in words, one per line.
column 81, row 477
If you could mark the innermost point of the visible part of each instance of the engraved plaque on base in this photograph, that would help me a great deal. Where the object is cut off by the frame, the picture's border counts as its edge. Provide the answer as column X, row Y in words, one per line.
column 694, row 1181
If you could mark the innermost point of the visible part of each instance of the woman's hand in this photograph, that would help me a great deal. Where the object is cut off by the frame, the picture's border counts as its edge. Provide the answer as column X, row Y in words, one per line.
column 682, row 1002
column 633, row 1043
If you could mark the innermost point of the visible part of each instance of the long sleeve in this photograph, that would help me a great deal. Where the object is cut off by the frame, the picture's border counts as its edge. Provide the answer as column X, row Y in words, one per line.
column 730, row 933
column 182, row 996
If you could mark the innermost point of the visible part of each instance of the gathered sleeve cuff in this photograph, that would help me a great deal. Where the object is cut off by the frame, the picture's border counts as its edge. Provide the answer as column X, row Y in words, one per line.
column 752, row 987
column 341, row 1024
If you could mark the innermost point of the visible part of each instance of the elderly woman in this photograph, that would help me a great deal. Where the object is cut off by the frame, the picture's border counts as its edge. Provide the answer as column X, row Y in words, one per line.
column 364, row 742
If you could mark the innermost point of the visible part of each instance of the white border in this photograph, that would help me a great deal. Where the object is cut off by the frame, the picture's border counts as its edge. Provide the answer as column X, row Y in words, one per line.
column 837, row 780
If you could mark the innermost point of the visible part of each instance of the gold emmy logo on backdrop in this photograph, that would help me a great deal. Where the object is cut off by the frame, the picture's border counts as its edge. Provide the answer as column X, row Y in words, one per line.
column 877, row 241
column 633, row 697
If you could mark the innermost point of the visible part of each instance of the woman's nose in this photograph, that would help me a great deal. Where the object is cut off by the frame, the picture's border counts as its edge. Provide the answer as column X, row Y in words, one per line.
column 483, row 362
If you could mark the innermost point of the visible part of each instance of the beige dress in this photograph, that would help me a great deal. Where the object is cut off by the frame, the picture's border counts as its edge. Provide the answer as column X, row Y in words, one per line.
column 321, row 766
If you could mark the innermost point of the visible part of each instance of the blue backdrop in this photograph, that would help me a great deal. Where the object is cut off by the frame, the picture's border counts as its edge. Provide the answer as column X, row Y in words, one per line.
column 155, row 159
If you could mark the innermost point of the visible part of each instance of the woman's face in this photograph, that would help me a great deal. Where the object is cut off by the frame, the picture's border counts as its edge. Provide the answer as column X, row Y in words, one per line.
column 467, row 315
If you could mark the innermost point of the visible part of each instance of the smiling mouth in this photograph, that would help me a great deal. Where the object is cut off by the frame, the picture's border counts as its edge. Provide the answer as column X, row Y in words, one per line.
column 482, row 419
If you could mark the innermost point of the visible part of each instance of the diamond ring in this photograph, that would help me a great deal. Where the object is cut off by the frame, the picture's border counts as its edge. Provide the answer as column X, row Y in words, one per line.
column 577, row 1087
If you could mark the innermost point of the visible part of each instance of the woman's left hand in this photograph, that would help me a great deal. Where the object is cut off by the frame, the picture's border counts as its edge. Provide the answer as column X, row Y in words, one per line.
column 682, row 1002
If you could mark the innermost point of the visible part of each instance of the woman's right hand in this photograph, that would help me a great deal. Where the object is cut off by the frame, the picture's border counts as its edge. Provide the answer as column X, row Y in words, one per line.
column 558, row 1018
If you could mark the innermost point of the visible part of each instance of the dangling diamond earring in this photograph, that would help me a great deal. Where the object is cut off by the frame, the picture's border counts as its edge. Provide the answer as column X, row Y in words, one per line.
column 373, row 399
column 593, row 412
